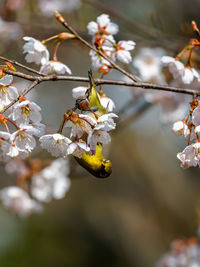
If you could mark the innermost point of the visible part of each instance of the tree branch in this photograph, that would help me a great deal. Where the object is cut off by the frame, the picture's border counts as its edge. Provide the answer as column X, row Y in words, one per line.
column 14, row 62
column 102, row 81
column 114, row 65
column 36, row 82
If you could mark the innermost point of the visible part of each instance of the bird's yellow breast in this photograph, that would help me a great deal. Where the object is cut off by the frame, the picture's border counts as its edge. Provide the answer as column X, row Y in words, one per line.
column 96, row 164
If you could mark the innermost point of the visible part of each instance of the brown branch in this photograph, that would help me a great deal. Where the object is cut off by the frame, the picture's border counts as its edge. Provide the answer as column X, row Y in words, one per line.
column 108, row 82
column 22, row 66
column 21, row 75
column 113, row 64
column 36, row 82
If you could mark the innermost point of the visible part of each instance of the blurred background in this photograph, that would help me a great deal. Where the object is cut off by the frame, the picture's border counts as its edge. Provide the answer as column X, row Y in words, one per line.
column 131, row 218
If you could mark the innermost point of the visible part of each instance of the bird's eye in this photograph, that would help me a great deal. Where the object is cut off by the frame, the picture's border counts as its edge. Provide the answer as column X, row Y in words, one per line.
column 105, row 160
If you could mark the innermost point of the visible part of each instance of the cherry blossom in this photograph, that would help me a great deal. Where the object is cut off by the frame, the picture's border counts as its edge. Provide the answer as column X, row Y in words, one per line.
column 35, row 51
column 196, row 116
column 77, row 149
column 26, row 112
column 51, row 182
column 98, row 135
column 16, row 166
column 190, row 156
column 56, row 144
column 180, row 128
column 173, row 106
column 102, row 26
column 106, row 42
column 13, row 152
column 176, row 67
column 148, row 63
column 23, row 139
column 80, row 124
column 185, row 73
column 107, row 103
column 190, row 75
column 122, row 51
column 7, row 92
column 79, row 92
column 4, row 145
column 55, row 67
column 39, row 128
column 183, row 253
column 98, row 61
column 107, row 121
column 18, row 201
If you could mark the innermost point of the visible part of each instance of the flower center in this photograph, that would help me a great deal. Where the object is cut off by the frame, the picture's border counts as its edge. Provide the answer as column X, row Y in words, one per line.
column 26, row 110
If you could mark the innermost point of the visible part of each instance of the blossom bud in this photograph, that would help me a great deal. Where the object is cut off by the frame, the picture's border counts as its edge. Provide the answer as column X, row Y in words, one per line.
column 59, row 17
column 10, row 66
column 65, row 36
column 194, row 103
column 22, row 98
column 194, row 26
column 3, row 119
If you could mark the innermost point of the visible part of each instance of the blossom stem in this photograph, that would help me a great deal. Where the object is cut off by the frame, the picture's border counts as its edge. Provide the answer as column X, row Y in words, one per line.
column 61, row 126
column 7, row 129
column 55, row 51
column 13, row 124
column 186, row 118
column 52, row 43
column 189, row 138
column 76, row 131
column 49, row 39
column 195, row 136
column 93, row 113
column 189, row 58
column 84, row 133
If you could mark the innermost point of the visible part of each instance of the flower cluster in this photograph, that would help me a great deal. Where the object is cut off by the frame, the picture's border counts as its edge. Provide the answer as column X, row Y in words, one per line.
column 24, row 116
column 102, row 32
column 37, row 52
column 183, row 253
column 184, row 73
column 86, row 131
column 149, row 64
column 46, row 182
column 190, row 129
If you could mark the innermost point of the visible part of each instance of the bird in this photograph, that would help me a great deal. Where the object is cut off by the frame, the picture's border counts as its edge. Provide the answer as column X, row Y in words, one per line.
column 96, row 163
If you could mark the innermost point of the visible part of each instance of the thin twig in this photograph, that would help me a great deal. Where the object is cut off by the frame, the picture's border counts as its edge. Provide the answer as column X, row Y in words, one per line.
column 145, row 30
column 36, row 82
column 114, row 65
column 21, row 75
column 22, row 66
